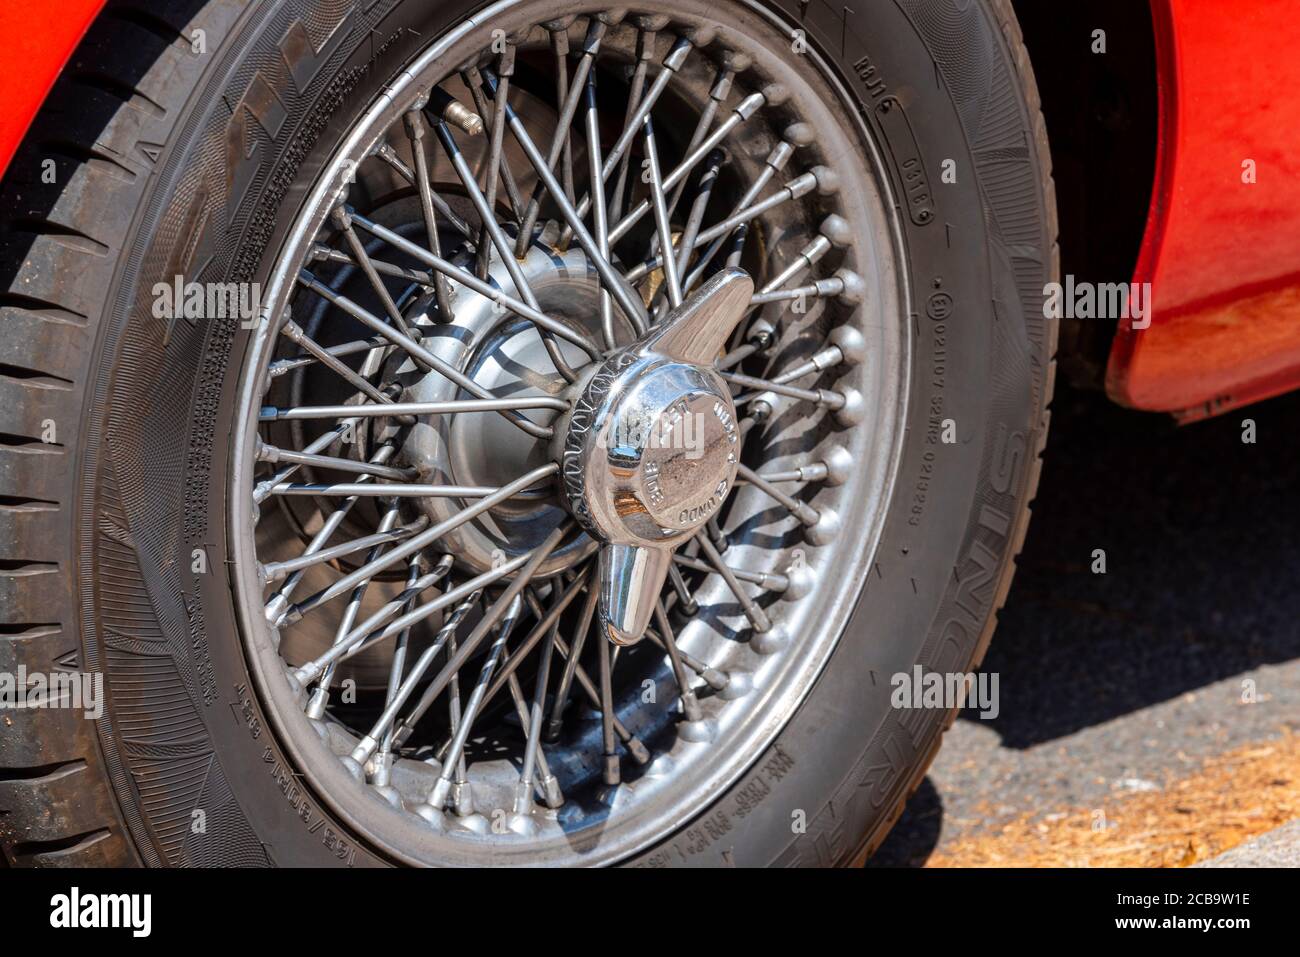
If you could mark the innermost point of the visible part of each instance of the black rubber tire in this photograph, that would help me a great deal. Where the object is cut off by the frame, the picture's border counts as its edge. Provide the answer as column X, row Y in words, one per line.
column 170, row 160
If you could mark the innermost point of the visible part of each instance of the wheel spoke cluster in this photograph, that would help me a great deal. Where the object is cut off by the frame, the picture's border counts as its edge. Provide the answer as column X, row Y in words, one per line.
column 511, row 626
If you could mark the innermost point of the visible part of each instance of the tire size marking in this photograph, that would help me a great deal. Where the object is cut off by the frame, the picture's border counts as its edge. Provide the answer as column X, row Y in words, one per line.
column 287, row 781
column 340, row 846
column 714, row 827
column 245, row 713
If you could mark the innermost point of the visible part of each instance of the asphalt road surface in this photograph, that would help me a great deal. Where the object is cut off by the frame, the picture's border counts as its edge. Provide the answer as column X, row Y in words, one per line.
column 1149, row 715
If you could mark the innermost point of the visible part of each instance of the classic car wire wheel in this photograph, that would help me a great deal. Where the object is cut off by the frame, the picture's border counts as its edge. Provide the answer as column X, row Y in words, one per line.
column 576, row 424
column 547, row 533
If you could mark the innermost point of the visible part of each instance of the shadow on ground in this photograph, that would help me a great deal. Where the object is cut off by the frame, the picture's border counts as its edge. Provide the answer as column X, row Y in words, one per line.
column 1201, row 543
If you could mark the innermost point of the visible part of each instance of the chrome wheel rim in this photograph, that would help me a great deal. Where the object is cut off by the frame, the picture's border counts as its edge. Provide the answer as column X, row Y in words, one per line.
column 689, row 709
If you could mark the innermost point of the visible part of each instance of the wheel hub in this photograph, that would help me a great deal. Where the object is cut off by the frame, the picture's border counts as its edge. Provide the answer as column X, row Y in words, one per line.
column 650, row 451
column 506, row 357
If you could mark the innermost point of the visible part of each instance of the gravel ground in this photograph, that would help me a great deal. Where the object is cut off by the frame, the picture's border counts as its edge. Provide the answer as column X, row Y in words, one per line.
column 1129, row 680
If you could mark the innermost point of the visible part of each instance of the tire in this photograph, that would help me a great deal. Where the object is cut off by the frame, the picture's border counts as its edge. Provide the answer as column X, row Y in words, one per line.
column 184, row 152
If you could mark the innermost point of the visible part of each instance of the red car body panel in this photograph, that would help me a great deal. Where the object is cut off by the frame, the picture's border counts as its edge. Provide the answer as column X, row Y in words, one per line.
column 1223, row 256
column 41, row 41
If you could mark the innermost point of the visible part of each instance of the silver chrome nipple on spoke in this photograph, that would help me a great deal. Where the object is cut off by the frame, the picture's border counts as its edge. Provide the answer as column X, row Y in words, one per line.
column 834, row 469
column 844, row 346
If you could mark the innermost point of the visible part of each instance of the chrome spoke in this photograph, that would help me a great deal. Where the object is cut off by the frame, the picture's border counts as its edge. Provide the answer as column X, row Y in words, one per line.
column 533, row 755
column 774, row 163
column 639, row 108
column 710, row 676
column 437, row 798
column 610, row 769
column 383, row 727
column 663, row 227
column 717, row 93
column 757, row 617
column 292, row 331
column 473, row 282
column 275, row 608
column 627, row 300
column 319, row 699
column 425, row 538
column 263, row 488
column 560, row 50
column 348, row 489
column 571, row 665
column 273, row 456
column 274, row 571
column 446, row 637
column 381, row 625
column 496, row 139
column 601, row 221
column 493, row 231
column 271, row 413
column 793, row 190
column 560, row 142
column 712, row 165
column 414, row 123
column 325, row 254
column 474, row 80
column 284, row 366
column 429, row 608
column 640, row 754
column 417, row 352
column 505, row 610
column 690, row 707
column 545, row 625
column 386, row 153
column 823, row 396
column 383, row 758
column 344, row 223
column 742, row 112
column 768, row 580
column 620, row 157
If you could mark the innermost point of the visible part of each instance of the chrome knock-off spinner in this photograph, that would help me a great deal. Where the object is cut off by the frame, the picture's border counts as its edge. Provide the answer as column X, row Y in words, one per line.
column 652, row 448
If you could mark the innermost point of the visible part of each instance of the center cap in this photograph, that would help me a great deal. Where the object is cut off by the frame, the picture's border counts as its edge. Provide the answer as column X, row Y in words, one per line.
column 688, row 463
column 652, row 448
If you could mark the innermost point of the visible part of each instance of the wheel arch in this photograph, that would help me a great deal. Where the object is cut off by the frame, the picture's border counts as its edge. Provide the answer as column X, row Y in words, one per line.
column 1109, row 149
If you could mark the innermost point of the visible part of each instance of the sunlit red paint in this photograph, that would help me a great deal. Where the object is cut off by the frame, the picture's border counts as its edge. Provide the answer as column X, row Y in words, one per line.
column 40, row 39
column 1223, row 256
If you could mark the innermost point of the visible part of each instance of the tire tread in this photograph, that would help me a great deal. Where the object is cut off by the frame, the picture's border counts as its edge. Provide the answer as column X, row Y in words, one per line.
column 60, row 245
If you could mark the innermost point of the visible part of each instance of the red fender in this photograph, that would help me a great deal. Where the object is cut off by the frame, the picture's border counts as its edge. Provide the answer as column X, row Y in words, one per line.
column 1222, row 255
